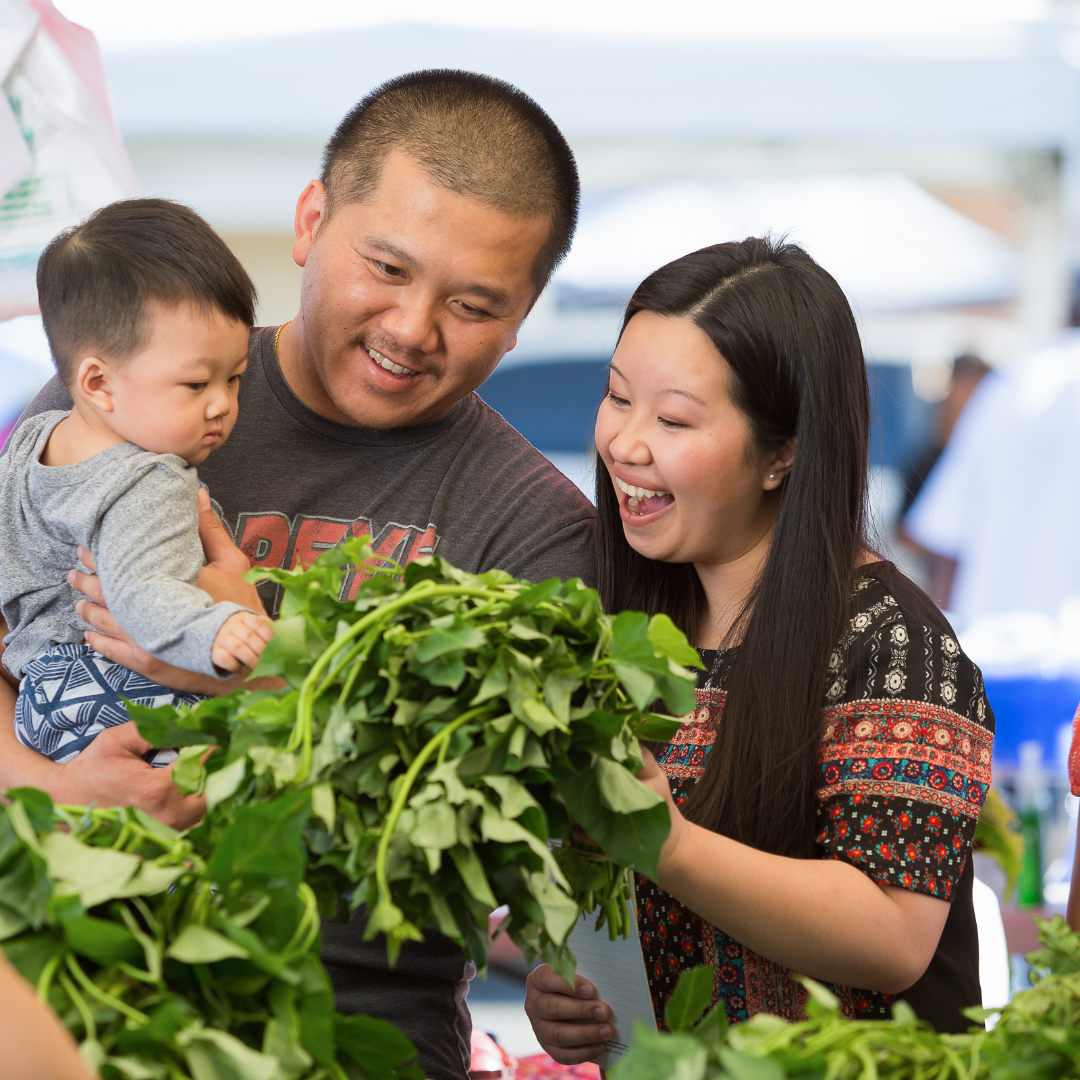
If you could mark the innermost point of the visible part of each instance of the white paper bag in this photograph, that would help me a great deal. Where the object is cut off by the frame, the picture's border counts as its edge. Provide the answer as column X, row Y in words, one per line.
column 61, row 156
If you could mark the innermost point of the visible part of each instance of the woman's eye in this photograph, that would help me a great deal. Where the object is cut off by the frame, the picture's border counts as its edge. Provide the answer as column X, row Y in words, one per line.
column 197, row 385
column 670, row 423
column 615, row 399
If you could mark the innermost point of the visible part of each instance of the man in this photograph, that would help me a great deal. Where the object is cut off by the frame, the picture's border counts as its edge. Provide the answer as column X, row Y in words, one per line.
column 446, row 200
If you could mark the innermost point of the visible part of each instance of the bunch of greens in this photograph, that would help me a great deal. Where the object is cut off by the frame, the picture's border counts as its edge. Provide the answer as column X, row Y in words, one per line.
column 170, row 961
column 455, row 732
column 1036, row 1037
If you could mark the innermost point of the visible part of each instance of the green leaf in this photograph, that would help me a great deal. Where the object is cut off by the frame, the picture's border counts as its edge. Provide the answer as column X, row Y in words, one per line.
column 452, row 639
column 655, row 728
column 632, row 840
column 690, row 998
column 102, row 941
column 436, row 826
column 741, row 1066
column 654, row 1056
column 38, row 806
column 670, row 641
column 375, row 1045
column 621, row 791
column 472, row 874
column 264, row 843
column 212, row 1054
column 197, row 944
column 514, row 797
column 223, row 783
column 639, row 684
column 96, row 874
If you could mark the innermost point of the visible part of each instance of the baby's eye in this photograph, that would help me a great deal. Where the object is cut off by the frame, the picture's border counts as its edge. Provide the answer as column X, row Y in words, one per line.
column 197, row 385
column 234, row 379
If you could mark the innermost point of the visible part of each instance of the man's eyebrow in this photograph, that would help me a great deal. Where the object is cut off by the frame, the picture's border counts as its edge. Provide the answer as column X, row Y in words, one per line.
column 682, row 393
column 493, row 295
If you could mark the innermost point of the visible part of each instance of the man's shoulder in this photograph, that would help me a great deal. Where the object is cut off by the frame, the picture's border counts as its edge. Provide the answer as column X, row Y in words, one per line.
column 509, row 466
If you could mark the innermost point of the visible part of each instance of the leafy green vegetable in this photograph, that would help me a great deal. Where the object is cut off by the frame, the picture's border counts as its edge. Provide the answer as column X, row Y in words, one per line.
column 1036, row 1037
column 450, row 731
column 165, row 970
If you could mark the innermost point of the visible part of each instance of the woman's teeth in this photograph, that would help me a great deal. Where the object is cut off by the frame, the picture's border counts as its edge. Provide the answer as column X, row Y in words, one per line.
column 641, row 501
column 638, row 492
column 389, row 365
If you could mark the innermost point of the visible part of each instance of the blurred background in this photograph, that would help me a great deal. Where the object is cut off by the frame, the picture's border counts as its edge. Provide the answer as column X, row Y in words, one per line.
column 926, row 153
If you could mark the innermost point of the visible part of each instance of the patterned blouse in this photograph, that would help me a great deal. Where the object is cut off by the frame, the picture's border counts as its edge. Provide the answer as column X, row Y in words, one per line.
column 905, row 763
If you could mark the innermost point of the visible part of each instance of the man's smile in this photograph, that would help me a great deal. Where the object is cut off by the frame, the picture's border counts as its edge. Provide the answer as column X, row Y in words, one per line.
column 389, row 365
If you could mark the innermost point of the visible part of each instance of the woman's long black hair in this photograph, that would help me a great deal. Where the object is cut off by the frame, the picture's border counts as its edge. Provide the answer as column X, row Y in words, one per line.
column 787, row 332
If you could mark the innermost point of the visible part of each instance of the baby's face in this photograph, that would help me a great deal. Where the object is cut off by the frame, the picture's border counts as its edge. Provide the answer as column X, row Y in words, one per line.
column 177, row 395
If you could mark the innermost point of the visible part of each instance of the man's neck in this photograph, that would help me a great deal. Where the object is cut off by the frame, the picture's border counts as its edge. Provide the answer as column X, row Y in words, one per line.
column 299, row 371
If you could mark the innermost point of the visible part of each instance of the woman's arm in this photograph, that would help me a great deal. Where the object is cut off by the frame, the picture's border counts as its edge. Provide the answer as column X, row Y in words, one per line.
column 821, row 917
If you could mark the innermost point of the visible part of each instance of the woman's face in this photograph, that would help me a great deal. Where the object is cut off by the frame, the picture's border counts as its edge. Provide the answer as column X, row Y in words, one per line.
column 678, row 451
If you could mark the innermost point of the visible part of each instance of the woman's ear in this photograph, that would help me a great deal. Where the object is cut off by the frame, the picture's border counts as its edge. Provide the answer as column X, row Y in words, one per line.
column 93, row 382
column 779, row 465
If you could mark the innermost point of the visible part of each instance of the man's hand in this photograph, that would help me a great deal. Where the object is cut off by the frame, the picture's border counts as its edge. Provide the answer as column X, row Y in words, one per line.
column 240, row 641
column 569, row 1021
column 111, row 771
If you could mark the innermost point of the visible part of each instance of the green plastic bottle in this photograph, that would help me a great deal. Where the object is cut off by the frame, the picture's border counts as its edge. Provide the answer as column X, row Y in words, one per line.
column 1030, row 794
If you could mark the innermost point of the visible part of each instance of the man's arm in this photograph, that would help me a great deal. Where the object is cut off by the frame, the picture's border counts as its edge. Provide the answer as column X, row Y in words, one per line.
column 111, row 771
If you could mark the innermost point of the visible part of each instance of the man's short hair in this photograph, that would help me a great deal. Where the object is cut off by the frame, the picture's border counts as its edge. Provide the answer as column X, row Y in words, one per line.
column 473, row 135
column 96, row 279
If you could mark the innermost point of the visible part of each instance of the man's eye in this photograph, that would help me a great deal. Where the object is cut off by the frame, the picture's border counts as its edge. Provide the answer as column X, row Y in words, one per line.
column 197, row 385
column 471, row 311
column 390, row 271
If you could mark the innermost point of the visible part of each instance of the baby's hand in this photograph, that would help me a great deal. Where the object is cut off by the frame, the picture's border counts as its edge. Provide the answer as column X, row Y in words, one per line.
column 240, row 641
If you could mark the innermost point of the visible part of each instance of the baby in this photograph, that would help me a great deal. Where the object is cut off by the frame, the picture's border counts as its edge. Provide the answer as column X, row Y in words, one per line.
column 147, row 313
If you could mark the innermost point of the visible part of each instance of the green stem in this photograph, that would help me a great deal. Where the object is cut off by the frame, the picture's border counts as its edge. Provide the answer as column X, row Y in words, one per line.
column 45, row 979
column 402, row 793
column 106, row 999
column 303, row 936
column 311, row 688
column 80, row 1004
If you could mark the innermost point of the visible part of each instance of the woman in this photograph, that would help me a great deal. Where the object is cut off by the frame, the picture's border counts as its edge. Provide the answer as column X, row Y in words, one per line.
column 824, row 795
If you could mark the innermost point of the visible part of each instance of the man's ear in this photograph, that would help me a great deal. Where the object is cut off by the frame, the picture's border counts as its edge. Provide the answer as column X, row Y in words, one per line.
column 779, row 465
column 93, row 382
column 310, row 210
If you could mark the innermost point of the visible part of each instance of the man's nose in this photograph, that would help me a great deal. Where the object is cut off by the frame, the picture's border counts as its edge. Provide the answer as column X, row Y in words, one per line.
column 411, row 323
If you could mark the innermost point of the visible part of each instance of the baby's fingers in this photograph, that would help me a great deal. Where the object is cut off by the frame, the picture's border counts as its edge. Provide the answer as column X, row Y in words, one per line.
column 261, row 626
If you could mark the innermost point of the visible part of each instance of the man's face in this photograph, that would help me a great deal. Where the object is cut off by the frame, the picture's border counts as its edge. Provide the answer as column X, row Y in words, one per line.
column 409, row 299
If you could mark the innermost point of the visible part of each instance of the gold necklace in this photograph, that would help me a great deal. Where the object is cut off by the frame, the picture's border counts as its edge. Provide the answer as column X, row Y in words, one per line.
column 278, row 334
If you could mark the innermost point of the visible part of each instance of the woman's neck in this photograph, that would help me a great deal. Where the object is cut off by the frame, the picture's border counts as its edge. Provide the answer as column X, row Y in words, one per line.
column 727, row 585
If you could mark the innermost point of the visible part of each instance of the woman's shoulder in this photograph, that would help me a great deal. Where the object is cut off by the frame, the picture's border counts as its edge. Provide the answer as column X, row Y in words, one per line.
column 897, row 646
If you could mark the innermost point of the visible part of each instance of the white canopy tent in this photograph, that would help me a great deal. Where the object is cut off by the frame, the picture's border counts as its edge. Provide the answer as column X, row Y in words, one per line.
column 891, row 245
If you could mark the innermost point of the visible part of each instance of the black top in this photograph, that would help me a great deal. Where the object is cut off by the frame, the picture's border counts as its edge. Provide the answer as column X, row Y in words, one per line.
column 905, row 764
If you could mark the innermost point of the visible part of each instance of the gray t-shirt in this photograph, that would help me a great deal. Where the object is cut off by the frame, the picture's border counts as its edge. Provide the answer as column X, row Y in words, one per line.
column 291, row 484
column 136, row 513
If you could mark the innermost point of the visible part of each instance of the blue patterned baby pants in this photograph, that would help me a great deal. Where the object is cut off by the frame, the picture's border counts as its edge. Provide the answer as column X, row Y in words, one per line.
column 72, row 693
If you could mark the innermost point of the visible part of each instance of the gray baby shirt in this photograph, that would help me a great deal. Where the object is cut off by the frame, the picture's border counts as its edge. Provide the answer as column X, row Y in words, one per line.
column 136, row 513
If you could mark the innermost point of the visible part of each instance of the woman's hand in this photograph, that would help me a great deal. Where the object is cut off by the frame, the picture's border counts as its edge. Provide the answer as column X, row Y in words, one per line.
column 569, row 1021
column 222, row 578
column 652, row 776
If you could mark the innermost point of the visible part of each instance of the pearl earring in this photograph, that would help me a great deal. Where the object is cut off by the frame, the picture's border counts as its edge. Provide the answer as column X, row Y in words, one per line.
column 772, row 476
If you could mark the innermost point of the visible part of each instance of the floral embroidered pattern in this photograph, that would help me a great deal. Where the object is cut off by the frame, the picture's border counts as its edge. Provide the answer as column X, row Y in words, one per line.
column 903, row 776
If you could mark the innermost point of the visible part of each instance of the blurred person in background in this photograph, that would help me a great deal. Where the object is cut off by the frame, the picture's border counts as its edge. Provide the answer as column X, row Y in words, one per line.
column 967, row 372
column 1003, row 501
